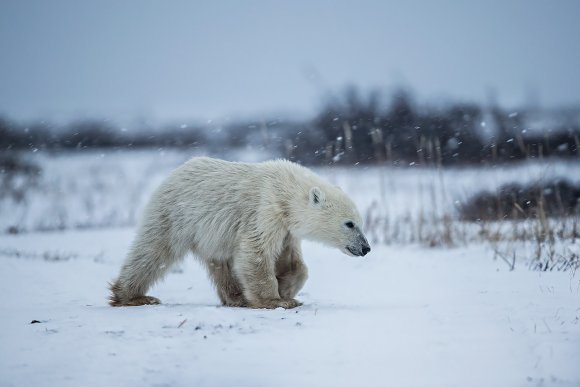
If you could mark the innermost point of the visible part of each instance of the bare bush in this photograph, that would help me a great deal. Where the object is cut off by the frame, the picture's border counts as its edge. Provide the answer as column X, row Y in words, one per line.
column 555, row 198
column 17, row 176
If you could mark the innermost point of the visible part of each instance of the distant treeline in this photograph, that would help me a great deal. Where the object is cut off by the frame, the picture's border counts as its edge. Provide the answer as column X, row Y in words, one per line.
column 348, row 129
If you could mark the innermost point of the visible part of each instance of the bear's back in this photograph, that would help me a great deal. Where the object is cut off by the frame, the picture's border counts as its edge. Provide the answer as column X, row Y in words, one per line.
column 214, row 201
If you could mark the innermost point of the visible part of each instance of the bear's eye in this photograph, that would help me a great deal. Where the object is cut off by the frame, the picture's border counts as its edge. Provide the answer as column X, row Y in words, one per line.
column 349, row 224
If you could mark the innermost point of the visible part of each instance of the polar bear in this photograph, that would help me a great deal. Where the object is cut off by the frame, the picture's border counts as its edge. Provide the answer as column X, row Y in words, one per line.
column 244, row 222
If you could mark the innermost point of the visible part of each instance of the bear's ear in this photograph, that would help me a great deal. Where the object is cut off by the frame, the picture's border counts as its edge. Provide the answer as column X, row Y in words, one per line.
column 316, row 197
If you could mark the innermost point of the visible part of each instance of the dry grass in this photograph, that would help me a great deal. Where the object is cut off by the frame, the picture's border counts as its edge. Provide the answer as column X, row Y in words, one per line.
column 543, row 236
column 541, row 243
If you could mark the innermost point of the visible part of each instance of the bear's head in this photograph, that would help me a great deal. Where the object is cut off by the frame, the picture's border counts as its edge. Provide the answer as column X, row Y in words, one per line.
column 334, row 220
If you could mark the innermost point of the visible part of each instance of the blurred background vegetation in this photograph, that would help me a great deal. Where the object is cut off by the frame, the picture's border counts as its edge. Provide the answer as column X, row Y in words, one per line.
column 350, row 128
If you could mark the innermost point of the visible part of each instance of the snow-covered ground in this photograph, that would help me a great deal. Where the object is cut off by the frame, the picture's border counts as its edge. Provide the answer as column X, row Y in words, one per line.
column 110, row 188
column 402, row 316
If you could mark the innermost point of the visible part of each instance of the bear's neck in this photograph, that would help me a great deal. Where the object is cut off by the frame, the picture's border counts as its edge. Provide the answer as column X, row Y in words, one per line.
column 292, row 189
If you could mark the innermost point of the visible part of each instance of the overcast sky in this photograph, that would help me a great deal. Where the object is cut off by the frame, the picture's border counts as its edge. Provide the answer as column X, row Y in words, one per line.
column 205, row 60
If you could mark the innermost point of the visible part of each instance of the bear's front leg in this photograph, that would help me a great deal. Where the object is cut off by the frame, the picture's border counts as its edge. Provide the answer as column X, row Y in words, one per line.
column 291, row 271
column 290, row 282
column 259, row 283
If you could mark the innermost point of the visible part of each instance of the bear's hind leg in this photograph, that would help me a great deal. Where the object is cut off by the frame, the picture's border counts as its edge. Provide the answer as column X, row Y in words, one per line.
column 117, row 300
column 227, row 286
column 148, row 261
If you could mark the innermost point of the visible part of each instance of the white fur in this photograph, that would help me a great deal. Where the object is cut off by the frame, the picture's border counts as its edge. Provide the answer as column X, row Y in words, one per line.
column 244, row 222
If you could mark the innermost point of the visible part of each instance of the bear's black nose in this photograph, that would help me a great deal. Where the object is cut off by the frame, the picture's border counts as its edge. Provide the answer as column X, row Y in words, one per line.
column 365, row 250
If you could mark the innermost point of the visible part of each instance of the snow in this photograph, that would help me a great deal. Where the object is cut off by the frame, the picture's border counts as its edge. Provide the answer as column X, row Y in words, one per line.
column 95, row 189
column 402, row 316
